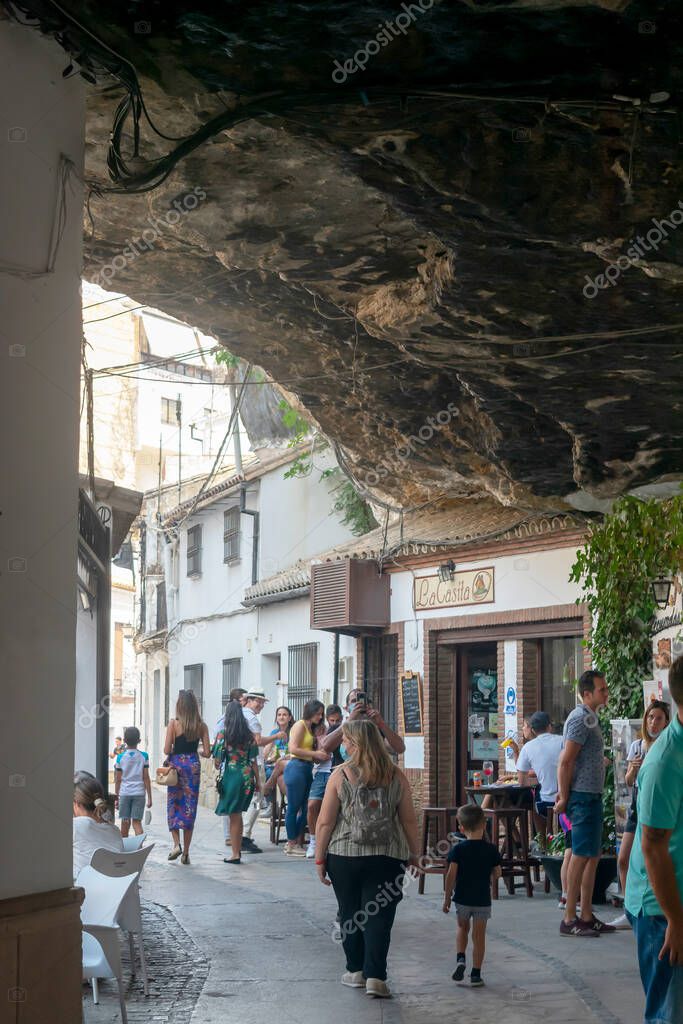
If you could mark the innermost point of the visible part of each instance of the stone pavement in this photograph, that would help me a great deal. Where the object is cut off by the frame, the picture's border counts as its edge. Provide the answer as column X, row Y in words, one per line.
column 253, row 942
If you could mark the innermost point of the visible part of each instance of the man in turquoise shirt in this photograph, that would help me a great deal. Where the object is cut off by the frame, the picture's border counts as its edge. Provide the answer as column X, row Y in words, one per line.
column 654, row 886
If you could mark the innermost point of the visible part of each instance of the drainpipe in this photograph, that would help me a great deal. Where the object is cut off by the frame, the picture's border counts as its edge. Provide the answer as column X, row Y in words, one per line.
column 335, row 686
column 255, row 538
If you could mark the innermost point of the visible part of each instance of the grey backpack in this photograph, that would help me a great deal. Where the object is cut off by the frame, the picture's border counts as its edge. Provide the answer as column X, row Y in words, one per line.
column 372, row 819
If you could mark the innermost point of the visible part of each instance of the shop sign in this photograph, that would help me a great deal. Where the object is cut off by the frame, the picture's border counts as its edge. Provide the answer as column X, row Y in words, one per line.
column 469, row 586
column 511, row 701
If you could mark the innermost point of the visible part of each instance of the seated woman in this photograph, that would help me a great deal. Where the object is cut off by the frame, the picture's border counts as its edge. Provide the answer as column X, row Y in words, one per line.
column 276, row 754
column 91, row 830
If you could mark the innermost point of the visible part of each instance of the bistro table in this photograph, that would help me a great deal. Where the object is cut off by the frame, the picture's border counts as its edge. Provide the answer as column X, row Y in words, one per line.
column 510, row 809
column 502, row 795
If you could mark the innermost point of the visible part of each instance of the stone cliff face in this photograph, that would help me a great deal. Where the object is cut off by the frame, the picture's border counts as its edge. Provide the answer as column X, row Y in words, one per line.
column 414, row 250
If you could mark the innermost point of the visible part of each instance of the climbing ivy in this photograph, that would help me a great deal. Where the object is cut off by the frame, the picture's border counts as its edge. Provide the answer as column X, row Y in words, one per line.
column 632, row 545
column 629, row 548
column 354, row 510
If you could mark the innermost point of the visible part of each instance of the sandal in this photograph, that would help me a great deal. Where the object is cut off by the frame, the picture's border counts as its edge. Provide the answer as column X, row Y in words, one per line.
column 175, row 853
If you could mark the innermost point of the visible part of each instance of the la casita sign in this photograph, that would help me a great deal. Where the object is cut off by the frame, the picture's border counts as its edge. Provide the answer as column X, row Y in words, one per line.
column 470, row 586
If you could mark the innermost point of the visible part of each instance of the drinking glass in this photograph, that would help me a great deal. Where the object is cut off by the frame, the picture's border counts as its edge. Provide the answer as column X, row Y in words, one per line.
column 488, row 771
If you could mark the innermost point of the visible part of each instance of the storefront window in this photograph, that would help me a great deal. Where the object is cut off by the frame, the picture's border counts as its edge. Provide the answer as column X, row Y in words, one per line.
column 561, row 663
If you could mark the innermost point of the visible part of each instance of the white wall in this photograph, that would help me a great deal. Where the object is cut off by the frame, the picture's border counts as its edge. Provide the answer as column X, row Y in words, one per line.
column 39, row 408
column 297, row 521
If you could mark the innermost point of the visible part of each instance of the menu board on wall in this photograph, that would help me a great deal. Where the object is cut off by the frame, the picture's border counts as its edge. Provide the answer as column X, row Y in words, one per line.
column 410, row 691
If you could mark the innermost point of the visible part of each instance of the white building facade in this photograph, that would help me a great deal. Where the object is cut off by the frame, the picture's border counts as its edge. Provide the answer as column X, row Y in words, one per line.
column 236, row 584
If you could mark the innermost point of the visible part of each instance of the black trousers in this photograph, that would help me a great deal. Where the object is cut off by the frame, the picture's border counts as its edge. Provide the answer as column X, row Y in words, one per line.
column 368, row 890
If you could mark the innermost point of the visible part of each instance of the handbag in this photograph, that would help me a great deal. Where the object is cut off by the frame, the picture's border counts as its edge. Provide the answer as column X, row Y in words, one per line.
column 166, row 776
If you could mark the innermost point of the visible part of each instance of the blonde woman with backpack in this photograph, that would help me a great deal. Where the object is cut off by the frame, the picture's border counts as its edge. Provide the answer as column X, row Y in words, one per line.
column 366, row 837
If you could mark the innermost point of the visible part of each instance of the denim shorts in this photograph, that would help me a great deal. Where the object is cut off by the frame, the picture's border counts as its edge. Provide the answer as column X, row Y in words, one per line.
column 662, row 983
column 585, row 813
column 132, row 807
column 319, row 785
column 472, row 913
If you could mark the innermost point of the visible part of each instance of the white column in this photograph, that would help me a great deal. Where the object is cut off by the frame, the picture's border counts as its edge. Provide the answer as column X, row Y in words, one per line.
column 40, row 339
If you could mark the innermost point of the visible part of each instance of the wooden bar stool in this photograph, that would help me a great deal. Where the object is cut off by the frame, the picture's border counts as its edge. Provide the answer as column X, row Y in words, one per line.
column 437, row 824
column 509, row 831
column 277, row 816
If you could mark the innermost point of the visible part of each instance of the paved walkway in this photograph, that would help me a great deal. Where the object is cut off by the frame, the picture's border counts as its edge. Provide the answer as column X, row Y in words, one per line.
column 254, row 943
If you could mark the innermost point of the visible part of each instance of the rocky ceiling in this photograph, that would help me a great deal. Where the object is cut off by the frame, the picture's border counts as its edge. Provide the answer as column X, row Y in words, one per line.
column 415, row 247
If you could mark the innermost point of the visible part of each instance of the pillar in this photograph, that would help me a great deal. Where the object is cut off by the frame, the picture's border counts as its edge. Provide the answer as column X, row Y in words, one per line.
column 40, row 338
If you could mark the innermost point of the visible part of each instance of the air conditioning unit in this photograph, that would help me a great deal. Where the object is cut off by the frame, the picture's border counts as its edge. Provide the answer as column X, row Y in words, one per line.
column 349, row 596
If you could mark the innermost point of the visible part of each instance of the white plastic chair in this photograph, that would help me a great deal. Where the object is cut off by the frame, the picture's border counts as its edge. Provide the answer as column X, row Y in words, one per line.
column 102, row 959
column 129, row 917
column 104, row 898
column 133, row 843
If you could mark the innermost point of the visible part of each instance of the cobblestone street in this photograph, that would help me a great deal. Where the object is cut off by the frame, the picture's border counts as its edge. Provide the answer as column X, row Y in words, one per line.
column 246, row 943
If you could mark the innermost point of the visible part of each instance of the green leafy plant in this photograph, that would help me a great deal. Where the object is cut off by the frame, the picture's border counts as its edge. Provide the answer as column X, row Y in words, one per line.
column 623, row 553
column 615, row 567
column 353, row 509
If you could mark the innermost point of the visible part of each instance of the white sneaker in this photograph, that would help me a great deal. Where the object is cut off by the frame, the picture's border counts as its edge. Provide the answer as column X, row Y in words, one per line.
column 310, row 851
column 621, row 923
column 353, row 979
column 377, row 988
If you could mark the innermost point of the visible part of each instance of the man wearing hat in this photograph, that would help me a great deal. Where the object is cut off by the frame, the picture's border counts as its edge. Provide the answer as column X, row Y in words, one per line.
column 541, row 756
column 254, row 703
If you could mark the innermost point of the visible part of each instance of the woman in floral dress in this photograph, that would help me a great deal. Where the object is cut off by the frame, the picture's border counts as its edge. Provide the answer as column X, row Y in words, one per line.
column 235, row 756
column 184, row 734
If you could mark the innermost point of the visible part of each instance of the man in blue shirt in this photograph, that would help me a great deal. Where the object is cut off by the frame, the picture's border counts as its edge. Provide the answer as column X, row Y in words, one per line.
column 654, row 885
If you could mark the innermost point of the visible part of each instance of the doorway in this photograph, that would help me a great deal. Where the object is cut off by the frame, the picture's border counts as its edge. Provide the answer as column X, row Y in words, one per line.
column 476, row 712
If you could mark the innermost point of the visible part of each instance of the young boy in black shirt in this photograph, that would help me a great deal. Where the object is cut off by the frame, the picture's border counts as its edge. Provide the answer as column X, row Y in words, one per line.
column 472, row 865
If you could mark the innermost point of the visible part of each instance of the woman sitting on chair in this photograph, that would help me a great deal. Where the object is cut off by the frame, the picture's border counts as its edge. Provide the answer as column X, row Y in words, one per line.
column 91, row 830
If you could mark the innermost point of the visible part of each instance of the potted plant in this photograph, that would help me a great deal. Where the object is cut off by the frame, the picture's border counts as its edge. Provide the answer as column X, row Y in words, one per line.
column 553, row 855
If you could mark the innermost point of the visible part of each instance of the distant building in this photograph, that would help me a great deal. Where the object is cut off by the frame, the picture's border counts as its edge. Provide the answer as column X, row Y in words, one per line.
column 226, row 593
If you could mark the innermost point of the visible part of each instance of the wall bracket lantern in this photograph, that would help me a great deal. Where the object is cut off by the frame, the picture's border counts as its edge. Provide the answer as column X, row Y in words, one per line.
column 661, row 590
column 447, row 571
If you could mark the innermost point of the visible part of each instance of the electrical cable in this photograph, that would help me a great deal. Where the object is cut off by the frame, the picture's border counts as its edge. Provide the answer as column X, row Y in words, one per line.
column 219, row 454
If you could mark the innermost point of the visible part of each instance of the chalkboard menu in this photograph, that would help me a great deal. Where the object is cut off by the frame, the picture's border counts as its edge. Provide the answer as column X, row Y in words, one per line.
column 411, row 703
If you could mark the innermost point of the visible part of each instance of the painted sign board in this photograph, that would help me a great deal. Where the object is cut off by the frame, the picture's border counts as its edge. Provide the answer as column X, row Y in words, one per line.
column 468, row 587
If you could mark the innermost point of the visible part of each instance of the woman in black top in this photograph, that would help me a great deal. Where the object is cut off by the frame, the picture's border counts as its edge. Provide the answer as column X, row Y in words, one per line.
column 184, row 734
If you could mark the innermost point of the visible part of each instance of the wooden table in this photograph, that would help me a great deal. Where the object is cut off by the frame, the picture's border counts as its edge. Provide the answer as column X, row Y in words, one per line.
column 512, row 795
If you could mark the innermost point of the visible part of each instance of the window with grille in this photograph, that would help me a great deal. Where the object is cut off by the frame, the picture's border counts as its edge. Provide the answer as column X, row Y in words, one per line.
column 194, row 680
column 232, row 678
column 194, row 551
column 231, row 535
column 380, row 676
column 302, row 678
column 169, row 411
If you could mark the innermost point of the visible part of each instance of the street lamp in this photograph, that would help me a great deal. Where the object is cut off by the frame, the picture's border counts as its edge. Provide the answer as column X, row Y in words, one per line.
column 447, row 571
column 661, row 590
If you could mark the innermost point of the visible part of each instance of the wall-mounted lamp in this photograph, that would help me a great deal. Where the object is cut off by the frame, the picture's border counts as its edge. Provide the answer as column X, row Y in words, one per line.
column 446, row 571
column 661, row 590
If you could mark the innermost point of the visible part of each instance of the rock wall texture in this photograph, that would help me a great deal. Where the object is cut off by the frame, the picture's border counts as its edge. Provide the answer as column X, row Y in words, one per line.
column 413, row 248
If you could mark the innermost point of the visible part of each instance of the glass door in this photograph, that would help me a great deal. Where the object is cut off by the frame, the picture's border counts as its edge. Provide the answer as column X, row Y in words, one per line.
column 479, row 710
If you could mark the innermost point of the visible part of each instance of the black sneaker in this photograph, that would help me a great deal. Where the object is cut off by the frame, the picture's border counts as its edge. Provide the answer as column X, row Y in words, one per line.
column 250, row 846
column 459, row 972
column 476, row 980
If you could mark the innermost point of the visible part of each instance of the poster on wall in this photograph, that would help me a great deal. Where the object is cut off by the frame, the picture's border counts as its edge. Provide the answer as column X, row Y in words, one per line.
column 624, row 732
column 485, row 748
column 484, row 690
